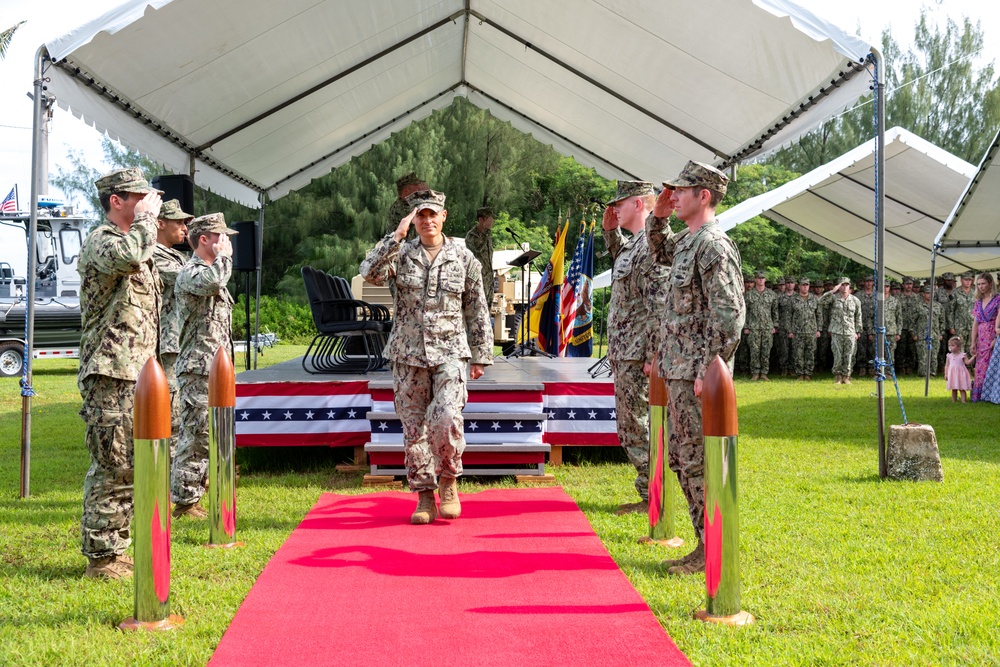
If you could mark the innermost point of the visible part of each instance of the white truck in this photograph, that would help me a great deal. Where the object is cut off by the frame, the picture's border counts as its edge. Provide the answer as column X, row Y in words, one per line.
column 57, row 286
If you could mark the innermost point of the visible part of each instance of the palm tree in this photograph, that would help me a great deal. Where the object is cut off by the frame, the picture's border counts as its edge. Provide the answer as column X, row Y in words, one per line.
column 5, row 37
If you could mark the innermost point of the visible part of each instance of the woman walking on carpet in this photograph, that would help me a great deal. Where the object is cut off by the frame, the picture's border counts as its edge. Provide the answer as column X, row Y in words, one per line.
column 984, row 336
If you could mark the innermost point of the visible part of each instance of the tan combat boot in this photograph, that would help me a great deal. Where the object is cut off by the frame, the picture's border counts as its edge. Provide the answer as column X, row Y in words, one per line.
column 836, row 378
column 191, row 510
column 695, row 556
column 756, row 376
column 846, row 379
column 451, row 507
column 426, row 508
column 629, row 508
column 109, row 567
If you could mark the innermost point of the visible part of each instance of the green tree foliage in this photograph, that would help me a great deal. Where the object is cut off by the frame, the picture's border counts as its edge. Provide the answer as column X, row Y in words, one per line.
column 6, row 36
column 937, row 89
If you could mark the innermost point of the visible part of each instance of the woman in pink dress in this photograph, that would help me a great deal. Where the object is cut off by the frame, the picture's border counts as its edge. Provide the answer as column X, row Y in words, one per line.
column 984, row 329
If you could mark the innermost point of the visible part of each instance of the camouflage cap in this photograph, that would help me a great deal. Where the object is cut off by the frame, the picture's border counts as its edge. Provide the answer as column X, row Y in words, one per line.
column 843, row 280
column 868, row 278
column 213, row 223
column 790, row 279
column 422, row 199
column 759, row 274
column 408, row 179
column 700, row 175
column 780, row 281
column 907, row 279
column 894, row 284
column 628, row 189
column 171, row 210
column 968, row 274
column 947, row 275
column 123, row 180
column 926, row 289
column 804, row 281
column 484, row 212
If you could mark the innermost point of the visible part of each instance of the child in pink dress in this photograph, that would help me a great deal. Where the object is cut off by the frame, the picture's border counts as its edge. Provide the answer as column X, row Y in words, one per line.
column 955, row 371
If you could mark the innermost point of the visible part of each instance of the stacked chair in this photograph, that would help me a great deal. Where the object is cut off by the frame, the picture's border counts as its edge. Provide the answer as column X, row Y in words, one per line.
column 341, row 319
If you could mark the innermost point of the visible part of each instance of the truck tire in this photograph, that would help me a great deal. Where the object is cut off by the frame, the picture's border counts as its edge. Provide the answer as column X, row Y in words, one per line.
column 11, row 359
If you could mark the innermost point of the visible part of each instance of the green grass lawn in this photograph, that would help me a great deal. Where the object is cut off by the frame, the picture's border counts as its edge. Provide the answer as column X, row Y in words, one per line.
column 839, row 568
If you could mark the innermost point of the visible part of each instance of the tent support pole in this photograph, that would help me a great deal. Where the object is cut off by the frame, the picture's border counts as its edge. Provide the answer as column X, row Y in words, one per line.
column 880, row 254
column 930, row 329
column 257, row 269
column 37, row 179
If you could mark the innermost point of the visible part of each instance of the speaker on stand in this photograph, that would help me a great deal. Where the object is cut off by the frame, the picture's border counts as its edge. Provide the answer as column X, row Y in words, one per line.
column 245, row 259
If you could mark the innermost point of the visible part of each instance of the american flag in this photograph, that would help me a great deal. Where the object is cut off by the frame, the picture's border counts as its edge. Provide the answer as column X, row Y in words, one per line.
column 9, row 204
column 274, row 414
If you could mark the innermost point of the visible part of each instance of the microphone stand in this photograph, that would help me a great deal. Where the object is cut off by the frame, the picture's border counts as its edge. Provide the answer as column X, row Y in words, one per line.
column 523, row 261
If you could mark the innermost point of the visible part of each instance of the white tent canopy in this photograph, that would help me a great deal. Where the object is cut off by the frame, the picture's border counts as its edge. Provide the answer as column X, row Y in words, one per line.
column 257, row 96
column 832, row 204
column 972, row 232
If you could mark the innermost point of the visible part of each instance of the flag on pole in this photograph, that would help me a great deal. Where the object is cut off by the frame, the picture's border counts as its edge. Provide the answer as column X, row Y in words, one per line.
column 543, row 319
column 570, row 290
column 581, row 344
column 9, row 204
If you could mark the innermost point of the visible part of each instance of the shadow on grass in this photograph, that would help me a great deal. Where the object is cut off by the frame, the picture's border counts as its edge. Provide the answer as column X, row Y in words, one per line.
column 853, row 421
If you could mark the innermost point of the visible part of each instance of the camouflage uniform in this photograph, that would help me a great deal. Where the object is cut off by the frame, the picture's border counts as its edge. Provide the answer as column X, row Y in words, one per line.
column 907, row 353
column 805, row 325
column 845, row 323
column 120, row 307
column 702, row 318
column 786, row 355
column 960, row 311
column 944, row 295
column 742, row 358
column 824, row 356
column 761, row 319
column 205, row 312
column 441, row 324
column 480, row 244
column 937, row 332
column 893, row 318
column 169, row 263
column 865, row 355
column 638, row 290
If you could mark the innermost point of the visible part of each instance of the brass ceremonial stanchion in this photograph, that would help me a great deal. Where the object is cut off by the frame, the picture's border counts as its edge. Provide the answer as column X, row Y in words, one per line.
column 661, row 486
column 151, row 436
column 222, row 452
column 722, row 519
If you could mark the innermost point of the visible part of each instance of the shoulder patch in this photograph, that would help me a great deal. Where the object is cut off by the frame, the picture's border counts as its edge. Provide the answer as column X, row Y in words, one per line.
column 709, row 258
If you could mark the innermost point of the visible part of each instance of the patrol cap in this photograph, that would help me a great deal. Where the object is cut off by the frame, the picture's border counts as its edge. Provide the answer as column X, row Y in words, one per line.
column 759, row 274
column 790, row 279
column 171, row 210
column 926, row 288
column 947, row 275
column 968, row 274
column 907, row 279
column 700, row 175
column 780, row 281
column 868, row 278
column 422, row 199
column 213, row 223
column 804, row 281
column 123, row 180
column 485, row 212
column 843, row 280
column 408, row 179
column 628, row 189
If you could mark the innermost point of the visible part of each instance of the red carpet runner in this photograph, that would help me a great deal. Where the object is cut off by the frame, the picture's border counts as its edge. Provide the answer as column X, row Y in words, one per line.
column 520, row 579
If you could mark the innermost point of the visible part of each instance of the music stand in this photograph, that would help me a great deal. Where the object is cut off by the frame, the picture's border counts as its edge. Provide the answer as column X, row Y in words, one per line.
column 523, row 262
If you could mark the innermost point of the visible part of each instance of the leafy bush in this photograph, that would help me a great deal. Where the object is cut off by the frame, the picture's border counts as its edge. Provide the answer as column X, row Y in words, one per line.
column 292, row 322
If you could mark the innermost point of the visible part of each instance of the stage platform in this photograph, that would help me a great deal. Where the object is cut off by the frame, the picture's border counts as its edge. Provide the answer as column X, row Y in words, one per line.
column 519, row 416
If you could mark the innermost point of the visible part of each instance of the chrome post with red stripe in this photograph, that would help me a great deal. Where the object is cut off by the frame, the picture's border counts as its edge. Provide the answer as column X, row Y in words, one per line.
column 151, row 442
column 722, row 519
column 222, row 452
column 661, row 485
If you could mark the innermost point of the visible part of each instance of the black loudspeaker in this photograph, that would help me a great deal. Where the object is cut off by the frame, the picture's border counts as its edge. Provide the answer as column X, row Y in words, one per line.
column 176, row 186
column 245, row 246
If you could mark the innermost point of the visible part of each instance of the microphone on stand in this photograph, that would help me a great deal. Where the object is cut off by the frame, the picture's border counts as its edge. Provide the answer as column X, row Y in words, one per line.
column 513, row 235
